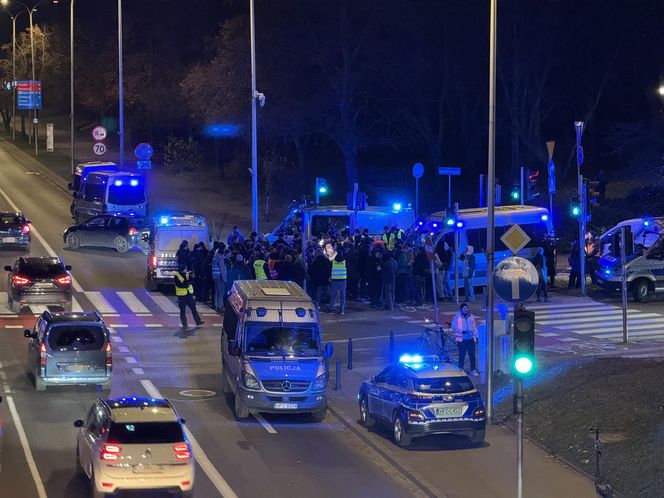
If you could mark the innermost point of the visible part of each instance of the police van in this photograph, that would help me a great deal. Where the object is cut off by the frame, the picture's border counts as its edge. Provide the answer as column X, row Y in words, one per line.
column 110, row 192
column 645, row 232
column 469, row 227
column 167, row 231
column 319, row 219
column 272, row 353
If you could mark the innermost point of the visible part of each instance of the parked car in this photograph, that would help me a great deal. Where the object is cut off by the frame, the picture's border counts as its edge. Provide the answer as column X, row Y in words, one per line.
column 114, row 231
column 134, row 444
column 69, row 349
column 39, row 280
column 14, row 230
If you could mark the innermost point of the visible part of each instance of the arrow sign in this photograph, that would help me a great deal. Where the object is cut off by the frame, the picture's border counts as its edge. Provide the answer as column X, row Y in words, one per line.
column 515, row 279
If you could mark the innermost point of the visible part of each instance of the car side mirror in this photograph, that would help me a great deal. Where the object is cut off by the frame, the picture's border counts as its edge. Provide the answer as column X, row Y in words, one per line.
column 76, row 195
column 329, row 350
column 78, row 423
column 8, row 268
column 28, row 334
column 145, row 237
column 68, row 267
column 233, row 348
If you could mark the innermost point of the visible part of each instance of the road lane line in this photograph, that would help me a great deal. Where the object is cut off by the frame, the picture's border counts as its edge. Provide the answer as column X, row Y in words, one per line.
column 75, row 305
column 100, row 302
column 119, row 325
column 138, row 371
column 266, row 425
column 130, row 359
column 201, row 458
column 115, row 338
column 123, row 349
column 5, row 386
column 153, row 325
column 164, row 303
column 13, row 326
column 23, row 438
column 132, row 302
column 42, row 241
column 3, row 375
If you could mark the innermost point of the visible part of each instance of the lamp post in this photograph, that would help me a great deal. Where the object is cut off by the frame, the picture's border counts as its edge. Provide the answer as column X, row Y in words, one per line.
column 71, row 84
column 254, row 146
column 13, row 18
column 120, row 85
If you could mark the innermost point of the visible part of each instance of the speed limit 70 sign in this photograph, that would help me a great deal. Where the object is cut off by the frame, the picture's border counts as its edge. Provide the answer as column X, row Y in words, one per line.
column 99, row 148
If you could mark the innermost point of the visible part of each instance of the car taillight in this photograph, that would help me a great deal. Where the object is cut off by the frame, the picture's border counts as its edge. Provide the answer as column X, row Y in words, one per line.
column 182, row 451
column 153, row 261
column 25, row 229
column 64, row 280
column 109, row 357
column 42, row 355
column 18, row 281
column 133, row 231
column 110, row 452
column 479, row 412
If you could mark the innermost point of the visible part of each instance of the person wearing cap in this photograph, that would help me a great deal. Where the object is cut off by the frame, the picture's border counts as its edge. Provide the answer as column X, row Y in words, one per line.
column 464, row 326
column 184, row 290
column 389, row 238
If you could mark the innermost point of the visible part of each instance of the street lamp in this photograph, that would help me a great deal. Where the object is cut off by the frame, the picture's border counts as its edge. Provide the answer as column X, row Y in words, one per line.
column 13, row 18
column 660, row 90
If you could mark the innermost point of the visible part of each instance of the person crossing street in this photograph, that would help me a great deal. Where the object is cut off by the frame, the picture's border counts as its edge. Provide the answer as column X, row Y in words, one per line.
column 184, row 290
column 464, row 326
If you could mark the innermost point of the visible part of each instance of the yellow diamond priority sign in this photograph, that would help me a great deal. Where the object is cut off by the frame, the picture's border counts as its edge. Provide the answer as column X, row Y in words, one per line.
column 515, row 239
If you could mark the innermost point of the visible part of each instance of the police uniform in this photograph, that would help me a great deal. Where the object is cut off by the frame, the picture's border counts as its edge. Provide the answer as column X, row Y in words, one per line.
column 338, row 284
column 259, row 269
column 184, row 290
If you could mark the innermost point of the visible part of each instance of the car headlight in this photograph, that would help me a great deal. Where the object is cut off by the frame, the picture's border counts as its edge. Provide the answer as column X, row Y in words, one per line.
column 250, row 382
column 320, row 383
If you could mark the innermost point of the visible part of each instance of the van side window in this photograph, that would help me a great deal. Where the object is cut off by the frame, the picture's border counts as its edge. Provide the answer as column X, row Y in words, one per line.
column 230, row 322
column 93, row 192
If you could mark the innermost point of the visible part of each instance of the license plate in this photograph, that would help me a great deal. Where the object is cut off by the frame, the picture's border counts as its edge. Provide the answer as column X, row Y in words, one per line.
column 285, row 406
column 9, row 240
column 146, row 469
column 448, row 412
column 76, row 367
column 43, row 286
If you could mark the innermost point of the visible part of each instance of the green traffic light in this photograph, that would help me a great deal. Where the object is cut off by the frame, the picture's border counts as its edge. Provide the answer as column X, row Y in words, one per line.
column 322, row 190
column 523, row 364
column 576, row 210
column 515, row 195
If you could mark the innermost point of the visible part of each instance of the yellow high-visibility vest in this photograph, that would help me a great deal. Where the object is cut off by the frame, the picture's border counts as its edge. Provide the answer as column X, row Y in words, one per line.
column 183, row 291
column 389, row 240
column 339, row 270
column 259, row 270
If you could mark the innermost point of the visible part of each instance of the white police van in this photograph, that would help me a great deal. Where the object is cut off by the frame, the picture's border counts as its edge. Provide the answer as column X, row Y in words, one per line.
column 470, row 225
column 273, row 359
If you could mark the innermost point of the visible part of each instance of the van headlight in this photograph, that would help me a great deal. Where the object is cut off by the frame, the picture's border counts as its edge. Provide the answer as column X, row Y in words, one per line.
column 320, row 383
column 250, row 382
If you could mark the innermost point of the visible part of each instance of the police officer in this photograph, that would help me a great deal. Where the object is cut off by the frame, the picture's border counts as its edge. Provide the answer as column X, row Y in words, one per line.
column 338, row 277
column 184, row 290
column 464, row 326
column 260, row 267
column 389, row 238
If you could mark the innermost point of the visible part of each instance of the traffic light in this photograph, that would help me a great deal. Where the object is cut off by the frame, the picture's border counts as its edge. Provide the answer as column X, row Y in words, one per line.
column 524, row 342
column 321, row 186
column 515, row 194
column 575, row 207
column 532, row 187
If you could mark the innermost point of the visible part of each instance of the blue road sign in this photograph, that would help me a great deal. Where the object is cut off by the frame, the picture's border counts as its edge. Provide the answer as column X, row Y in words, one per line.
column 418, row 170
column 515, row 279
column 143, row 164
column 26, row 100
column 449, row 171
column 143, row 152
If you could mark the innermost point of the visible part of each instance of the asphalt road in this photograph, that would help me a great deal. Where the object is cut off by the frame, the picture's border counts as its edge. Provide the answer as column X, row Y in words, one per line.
column 269, row 456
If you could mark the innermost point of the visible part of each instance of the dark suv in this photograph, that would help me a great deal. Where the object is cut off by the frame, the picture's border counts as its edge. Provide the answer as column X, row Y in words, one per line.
column 117, row 232
column 35, row 280
column 14, row 230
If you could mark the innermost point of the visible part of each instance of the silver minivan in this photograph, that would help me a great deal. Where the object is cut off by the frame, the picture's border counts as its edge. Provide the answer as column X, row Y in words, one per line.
column 69, row 349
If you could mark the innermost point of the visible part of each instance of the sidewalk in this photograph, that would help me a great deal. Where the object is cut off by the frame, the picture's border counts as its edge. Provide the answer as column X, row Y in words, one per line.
column 490, row 470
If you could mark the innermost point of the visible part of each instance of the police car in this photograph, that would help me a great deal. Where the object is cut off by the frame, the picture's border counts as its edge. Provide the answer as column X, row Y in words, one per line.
column 422, row 395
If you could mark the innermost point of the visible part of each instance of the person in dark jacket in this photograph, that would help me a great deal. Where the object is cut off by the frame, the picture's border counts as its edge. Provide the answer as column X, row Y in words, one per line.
column 539, row 262
column 575, row 264
column 420, row 272
column 183, row 255
column 319, row 272
column 352, row 267
column 239, row 271
column 468, row 272
column 286, row 269
column 390, row 268
column 198, row 262
column 375, row 277
column 444, row 252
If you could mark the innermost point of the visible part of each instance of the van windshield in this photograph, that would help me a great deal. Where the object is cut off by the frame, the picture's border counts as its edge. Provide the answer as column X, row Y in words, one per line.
column 126, row 195
column 275, row 339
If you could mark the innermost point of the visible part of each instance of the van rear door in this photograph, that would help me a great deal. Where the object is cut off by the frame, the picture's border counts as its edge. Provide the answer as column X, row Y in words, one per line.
column 76, row 350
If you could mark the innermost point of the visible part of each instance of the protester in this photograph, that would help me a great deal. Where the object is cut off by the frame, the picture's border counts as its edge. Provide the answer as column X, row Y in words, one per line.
column 468, row 272
column 390, row 268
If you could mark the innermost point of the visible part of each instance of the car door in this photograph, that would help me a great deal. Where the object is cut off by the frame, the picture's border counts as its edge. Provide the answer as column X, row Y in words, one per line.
column 398, row 384
column 90, row 231
column 89, row 437
column 116, row 226
column 377, row 391
column 33, row 348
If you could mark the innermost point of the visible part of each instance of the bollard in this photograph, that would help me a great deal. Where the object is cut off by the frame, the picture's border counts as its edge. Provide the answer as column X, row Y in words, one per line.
column 337, row 375
column 391, row 350
column 350, row 353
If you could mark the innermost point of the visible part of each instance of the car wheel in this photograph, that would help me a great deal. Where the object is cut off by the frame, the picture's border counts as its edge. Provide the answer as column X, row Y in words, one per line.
column 401, row 438
column 641, row 291
column 365, row 419
column 39, row 383
column 73, row 241
column 319, row 415
column 120, row 243
column 241, row 411
column 477, row 437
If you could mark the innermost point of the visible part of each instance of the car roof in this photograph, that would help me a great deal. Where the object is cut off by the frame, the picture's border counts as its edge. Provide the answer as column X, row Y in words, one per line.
column 72, row 317
column 12, row 213
column 139, row 409
column 39, row 259
column 431, row 368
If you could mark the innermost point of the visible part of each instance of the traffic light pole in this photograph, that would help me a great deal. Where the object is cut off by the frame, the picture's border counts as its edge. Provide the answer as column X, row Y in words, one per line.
column 582, row 236
column 623, row 281
column 518, row 411
column 317, row 193
column 521, row 191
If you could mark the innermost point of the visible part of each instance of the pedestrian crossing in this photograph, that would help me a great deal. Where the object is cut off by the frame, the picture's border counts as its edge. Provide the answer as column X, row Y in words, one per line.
column 588, row 318
column 112, row 303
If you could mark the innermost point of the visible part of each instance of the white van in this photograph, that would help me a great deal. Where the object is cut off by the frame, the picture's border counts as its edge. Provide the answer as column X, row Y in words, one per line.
column 471, row 226
column 645, row 232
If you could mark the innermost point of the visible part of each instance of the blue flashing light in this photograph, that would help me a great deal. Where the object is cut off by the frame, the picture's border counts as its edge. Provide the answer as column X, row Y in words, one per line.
column 163, row 220
column 300, row 312
column 396, row 206
column 117, row 183
column 261, row 312
column 133, row 182
column 420, row 223
column 607, row 272
column 408, row 359
column 435, row 225
column 449, row 222
column 544, row 217
column 459, row 224
column 646, row 223
column 220, row 130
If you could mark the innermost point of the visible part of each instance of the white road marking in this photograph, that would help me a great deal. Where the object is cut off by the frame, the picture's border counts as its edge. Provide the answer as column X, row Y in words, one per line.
column 115, row 338
column 132, row 302
column 203, row 461
column 130, row 359
column 119, row 325
column 4, row 307
column 547, row 334
column 583, row 305
column 138, row 371
column 38, row 309
column 153, row 325
column 100, row 302
column 266, row 425
column 45, row 245
column 597, row 319
column 608, row 323
column 163, row 302
column 75, row 305
column 603, row 331
column 23, row 438
column 123, row 349
column 568, row 339
column 5, row 386
column 3, row 375
column 580, row 313
column 640, row 331
column 13, row 326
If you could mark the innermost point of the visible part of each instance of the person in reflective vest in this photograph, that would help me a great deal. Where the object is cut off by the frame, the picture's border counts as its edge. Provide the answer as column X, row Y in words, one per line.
column 184, row 290
column 398, row 233
column 389, row 238
column 260, row 267
column 338, row 282
column 464, row 326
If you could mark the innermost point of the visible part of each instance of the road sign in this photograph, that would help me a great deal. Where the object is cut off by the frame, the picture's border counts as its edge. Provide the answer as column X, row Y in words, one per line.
column 418, row 170
column 28, row 94
column 579, row 126
column 99, row 133
column 449, row 171
column 143, row 164
column 143, row 152
column 99, row 148
column 515, row 279
column 515, row 239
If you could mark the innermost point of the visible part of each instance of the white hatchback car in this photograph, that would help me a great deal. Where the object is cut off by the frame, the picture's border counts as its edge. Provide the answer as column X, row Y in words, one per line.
column 134, row 444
